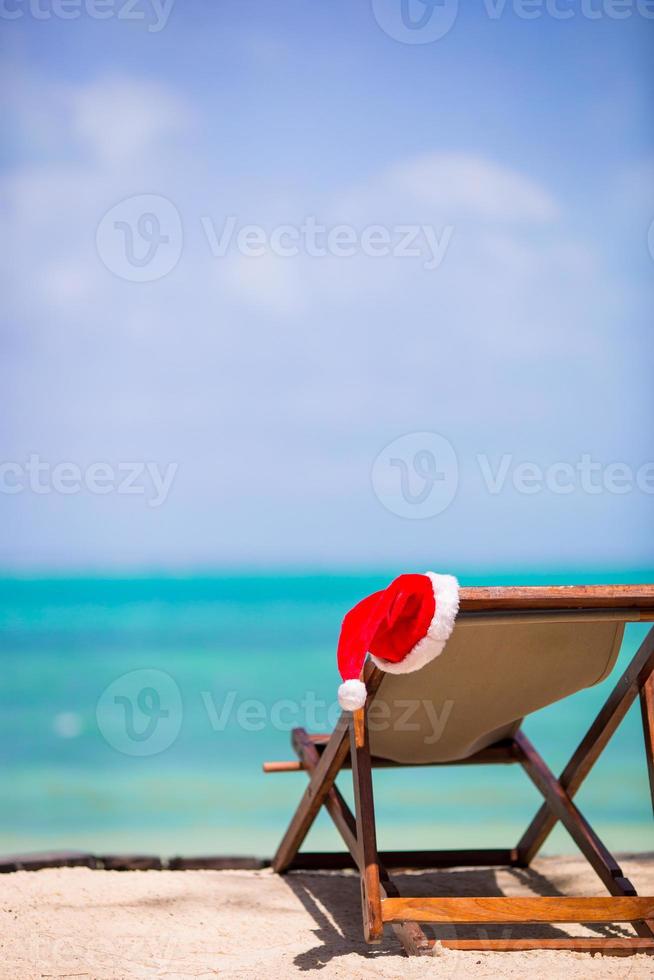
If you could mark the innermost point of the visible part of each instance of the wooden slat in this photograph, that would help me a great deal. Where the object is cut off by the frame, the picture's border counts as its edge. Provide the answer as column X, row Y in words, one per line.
column 501, row 753
column 606, row 947
column 523, row 598
column 498, row 910
column 471, row 857
column 411, row 860
column 216, row 863
column 290, row 765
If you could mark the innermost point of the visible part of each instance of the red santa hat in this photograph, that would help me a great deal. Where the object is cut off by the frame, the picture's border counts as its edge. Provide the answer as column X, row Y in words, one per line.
column 403, row 627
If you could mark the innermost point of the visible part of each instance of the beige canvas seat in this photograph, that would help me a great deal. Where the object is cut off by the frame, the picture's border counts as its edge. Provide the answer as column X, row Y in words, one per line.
column 512, row 652
column 546, row 658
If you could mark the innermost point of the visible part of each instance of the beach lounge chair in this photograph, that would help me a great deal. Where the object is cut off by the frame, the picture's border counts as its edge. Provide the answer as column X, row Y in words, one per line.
column 512, row 651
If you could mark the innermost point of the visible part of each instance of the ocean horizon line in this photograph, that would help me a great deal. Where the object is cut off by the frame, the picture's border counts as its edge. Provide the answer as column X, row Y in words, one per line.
column 468, row 576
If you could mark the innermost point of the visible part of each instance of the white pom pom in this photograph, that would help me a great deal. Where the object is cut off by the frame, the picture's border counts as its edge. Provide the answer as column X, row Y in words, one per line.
column 352, row 695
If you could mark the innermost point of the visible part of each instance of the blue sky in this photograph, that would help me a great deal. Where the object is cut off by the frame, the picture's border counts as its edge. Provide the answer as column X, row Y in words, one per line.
column 271, row 384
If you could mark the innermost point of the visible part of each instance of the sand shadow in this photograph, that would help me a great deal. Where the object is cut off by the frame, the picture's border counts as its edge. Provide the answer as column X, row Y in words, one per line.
column 334, row 903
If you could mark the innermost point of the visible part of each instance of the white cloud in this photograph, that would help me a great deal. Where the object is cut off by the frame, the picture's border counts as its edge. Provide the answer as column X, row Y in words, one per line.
column 119, row 135
column 116, row 118
column 121, row 118
column 195, row 364
column 457, row 182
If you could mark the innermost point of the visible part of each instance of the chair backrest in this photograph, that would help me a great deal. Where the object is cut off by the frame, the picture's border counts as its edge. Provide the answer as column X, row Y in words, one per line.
column 500, row 664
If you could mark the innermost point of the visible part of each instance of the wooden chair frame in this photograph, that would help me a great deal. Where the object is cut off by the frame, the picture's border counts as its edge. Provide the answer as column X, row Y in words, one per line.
column 324, row 756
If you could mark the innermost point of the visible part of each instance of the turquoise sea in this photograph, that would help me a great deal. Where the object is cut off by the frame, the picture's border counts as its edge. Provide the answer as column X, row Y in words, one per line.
column 136, row 713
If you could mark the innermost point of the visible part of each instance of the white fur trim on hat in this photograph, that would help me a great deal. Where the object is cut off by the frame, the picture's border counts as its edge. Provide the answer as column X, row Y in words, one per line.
column 352, row 695
column 446, row 597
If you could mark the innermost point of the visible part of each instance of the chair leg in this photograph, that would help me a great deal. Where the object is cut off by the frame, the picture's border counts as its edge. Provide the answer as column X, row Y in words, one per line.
column 322, row 779
column 412, row 937
column 334, row 803
column 592, row 745
column 321, row 782
column 373, row 927
column 647, row 710
column 595, row 852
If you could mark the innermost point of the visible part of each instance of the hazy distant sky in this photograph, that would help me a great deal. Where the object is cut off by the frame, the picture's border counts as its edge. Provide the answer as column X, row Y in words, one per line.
column 274, row 382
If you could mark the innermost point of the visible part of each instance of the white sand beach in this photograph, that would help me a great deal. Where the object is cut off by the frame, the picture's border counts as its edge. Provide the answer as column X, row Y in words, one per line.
column 102, row 925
